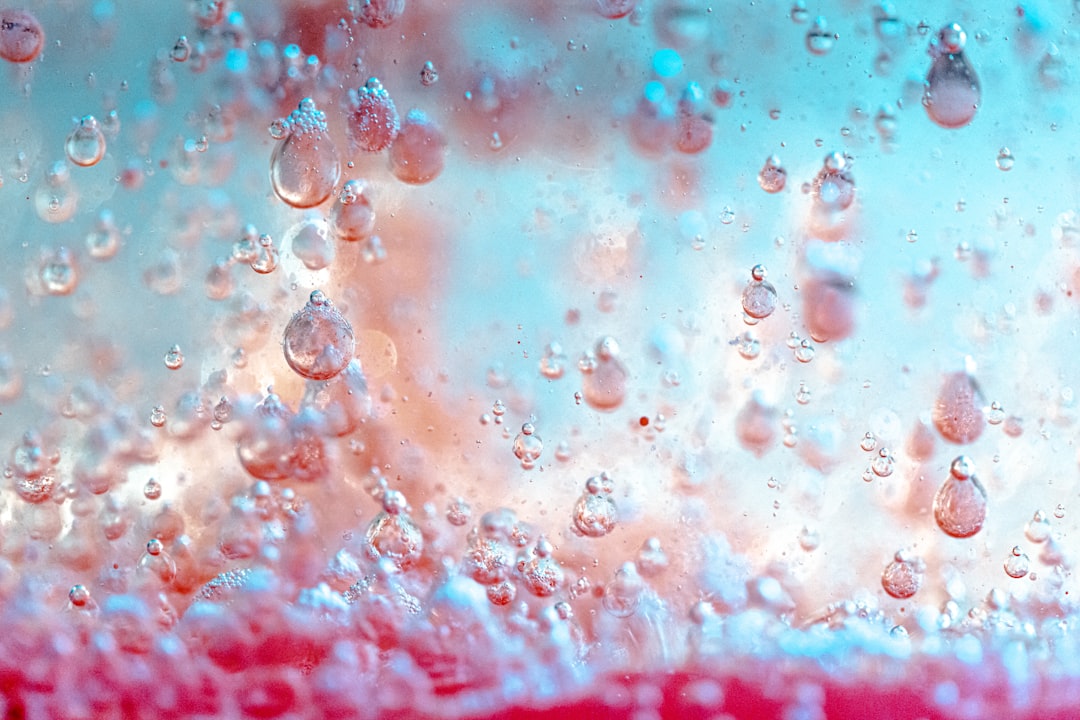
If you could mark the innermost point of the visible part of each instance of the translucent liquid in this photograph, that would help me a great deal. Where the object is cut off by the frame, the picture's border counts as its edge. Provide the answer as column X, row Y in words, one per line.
column 451, row 395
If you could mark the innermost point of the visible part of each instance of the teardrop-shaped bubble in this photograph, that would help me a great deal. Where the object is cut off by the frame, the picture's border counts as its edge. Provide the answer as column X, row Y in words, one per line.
column 305, row 167
column 958, row 414
column 960, row 503
column 952, row 92
column 604, row 376
column 352, row 218
column 265, row 446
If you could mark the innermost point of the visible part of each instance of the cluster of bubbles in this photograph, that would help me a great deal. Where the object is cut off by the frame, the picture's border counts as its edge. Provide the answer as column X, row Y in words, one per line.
column 290, row 514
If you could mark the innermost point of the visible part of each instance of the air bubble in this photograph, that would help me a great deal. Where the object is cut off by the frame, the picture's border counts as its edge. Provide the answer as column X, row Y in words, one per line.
column 903, row 577
column 428, row 74
column 152, row 489
column 623, row 594
column 819, row 41
column 952, row 92
column 304, row 167
column 960, row 502
column 1017, row 563
column 103, row 242
column 883, row 464
column 380, row 13
column 458, row 513
column 21, row 36
column 957, row 413
column 772, row 177
column 595, row 513
column 528, row 446
column 759, row 295
column 1005, row 159
column 615, row 9
column 318, row 341
column 373, row 119
column 604, row 377
column 174, row 358
column 1038, row 528
column 85, row 145
column 392, row 535
column 804, row 353
column 352, row 218
column 181, row 50
column 834, row 187
column 419, row 152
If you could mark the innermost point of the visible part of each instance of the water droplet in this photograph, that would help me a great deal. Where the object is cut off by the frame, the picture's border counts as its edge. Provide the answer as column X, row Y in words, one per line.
column 1059, row 511
column 304, row 167
column 528, row 446
column 868, row 442
column 960, row 502
column 318, row 341
column 85, row 144
column 996, row 416
column 772, row 177
column 174, row 358
column 952, row 90
column 727, row 215
column 903, row 577
column 1017, row 563
column 912, row 236
column 157, row 416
